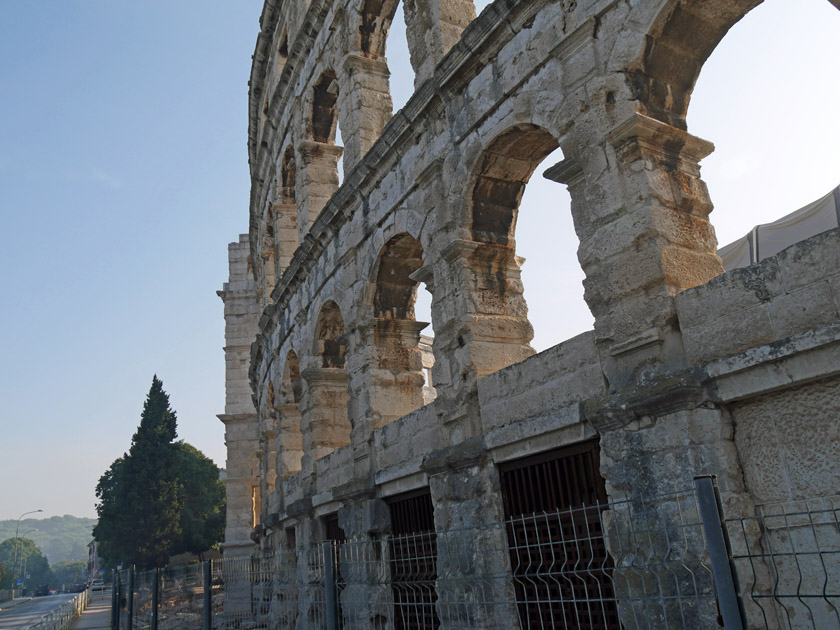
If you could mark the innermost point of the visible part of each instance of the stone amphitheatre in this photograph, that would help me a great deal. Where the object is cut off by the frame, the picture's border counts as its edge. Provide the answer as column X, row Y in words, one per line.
column 345, row 423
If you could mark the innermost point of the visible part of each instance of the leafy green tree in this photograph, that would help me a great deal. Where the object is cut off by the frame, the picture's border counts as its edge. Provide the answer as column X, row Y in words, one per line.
column 203, row 498
column 160, row 498
column 30, row 561
column 70, row 572
column 5, row 577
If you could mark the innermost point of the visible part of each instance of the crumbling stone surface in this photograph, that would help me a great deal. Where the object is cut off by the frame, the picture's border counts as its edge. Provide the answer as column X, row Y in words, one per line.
column 331, row 407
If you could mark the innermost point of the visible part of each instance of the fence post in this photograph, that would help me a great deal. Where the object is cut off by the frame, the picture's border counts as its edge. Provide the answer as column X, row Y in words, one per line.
column 129, row 601
column 711, row 514
column 155, row 589
column 115, row 601
column 208, row 596
column 331, row 594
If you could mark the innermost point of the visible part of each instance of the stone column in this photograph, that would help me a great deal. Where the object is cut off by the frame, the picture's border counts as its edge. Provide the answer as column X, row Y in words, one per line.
column 432, row 28
column 317, row 181
column 645, row 236
column 324, row 424
column 364, row 105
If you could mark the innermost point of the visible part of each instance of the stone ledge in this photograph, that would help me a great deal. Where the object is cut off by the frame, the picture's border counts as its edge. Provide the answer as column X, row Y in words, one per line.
column 467, row 453
column 814, row 354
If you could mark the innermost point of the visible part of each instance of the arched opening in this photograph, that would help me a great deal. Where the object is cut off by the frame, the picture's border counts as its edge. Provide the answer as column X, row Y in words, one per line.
column 325, row 108
column 330, row 341
column 285, row 212
column 317, row 171
column 501, row 325
column 269, row 254
column 325, row 423
column 771, row 42
column 388, row 41
column 397, row 379
column 289, row 445
column 288, row 176
column 267, row 454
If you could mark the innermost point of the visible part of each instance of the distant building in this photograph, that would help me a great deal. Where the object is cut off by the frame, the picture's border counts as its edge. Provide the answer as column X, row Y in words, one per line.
column 94, row 563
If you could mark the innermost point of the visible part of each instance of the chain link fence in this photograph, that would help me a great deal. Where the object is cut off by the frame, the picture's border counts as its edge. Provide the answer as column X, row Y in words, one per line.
column 672, row 561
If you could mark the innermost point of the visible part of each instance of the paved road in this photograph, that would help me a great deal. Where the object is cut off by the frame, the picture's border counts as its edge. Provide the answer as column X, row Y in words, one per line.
column 29, row 613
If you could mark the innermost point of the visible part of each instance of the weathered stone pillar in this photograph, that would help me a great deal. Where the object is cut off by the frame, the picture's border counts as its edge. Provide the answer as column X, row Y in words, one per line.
column 317, row 181
column 364, row 105
column 362, row 563
column 387, row 383
column 472, row 552
column 486, row 326
column 242, row 429
column 285, row 235
column 324, row 425
column 645, row 236
column 289, row 442
column 432, row 28
column 242, row 467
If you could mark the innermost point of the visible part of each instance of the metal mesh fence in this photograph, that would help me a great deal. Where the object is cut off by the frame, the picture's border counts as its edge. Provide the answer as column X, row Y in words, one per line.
column 787, row 558
column 671, row 561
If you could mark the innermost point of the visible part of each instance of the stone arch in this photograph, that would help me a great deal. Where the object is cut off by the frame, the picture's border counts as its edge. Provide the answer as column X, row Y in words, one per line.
column 289, row 444
column 286, row 211
column 324, row 115
column 374, row 24
column 396, row 377
column 497, row 329
column 325, row 423
column 680, row 38
column 330, row 339
column 316, row 170
column 290, row 386
column 288, row 176
column 501, row 174
column 269, row 252
column 266, row 453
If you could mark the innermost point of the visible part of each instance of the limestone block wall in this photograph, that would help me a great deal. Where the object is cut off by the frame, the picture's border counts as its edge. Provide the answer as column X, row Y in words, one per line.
column 796, row 290
column 683, row 365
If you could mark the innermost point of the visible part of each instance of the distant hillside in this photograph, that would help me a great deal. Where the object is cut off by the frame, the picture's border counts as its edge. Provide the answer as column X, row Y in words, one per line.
column 61, row 537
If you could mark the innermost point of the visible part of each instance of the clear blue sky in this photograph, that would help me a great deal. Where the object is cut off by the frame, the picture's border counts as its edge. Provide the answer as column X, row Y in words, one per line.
column 123, row 176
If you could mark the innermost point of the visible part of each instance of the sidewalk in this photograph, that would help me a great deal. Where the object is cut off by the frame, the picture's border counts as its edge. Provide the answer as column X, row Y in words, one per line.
column 97, row 616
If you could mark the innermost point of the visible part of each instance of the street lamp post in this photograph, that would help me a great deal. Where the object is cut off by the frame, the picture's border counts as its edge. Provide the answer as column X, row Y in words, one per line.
column 14, row 565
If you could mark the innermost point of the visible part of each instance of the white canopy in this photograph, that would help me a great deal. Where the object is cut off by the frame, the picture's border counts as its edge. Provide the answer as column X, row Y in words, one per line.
column 769, row 239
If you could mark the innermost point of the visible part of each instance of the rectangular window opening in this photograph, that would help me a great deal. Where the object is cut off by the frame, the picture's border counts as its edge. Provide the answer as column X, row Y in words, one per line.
column 413, row 548
column 562, row 573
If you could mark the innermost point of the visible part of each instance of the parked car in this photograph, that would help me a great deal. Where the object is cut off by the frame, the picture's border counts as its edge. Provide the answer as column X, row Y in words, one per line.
column 98, row 585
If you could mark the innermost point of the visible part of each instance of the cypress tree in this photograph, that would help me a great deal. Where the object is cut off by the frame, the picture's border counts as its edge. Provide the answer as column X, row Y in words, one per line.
column 140, row 495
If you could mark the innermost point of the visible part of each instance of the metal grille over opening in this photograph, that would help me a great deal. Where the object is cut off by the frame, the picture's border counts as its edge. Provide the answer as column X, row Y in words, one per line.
column 413, row 549
column 561, row 570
